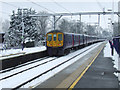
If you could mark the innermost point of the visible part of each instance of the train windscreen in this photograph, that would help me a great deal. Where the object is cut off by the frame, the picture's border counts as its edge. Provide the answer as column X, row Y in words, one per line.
column 59, row 37
column 49, row 37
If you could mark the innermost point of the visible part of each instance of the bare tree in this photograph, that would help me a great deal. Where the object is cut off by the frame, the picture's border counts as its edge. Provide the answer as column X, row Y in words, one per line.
column 5, row 25
column 42, row 23
column 64, row 25
column 91, row 30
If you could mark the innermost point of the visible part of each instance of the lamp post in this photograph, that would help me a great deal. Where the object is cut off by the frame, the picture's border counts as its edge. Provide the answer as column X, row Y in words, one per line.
column 111, row 20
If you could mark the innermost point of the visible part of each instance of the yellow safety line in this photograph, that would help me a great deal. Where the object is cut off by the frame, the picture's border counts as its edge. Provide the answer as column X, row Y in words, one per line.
column 73, row 85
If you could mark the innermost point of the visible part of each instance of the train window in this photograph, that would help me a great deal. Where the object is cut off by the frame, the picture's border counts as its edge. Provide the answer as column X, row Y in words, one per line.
column 49, row 37
column 59, row 37
column 54, row 37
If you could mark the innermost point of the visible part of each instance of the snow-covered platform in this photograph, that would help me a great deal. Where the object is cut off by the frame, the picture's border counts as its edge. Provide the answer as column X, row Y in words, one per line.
column 14, row 57
column 17, row 52
column 94, row 70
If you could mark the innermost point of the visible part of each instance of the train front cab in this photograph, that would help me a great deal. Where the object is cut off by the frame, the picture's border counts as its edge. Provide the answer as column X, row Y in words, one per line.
column 54, row 43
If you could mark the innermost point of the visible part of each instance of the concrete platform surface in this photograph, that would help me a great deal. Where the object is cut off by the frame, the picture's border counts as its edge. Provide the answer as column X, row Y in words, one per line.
column 99, row 75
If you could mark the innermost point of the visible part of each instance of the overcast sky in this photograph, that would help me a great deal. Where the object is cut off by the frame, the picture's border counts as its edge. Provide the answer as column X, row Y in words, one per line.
column 63, row 6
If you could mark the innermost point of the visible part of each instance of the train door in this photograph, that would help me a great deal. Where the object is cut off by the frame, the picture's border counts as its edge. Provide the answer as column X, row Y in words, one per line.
column 54, row 39
column 72, row 40
column 49, row 39
column 83, row 37
column 60, row 39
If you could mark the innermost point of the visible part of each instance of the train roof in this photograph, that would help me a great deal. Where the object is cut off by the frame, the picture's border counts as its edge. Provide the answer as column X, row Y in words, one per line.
column 55, row 31
column 63, row 32
column 72, row 33
column 69, row 33
column 116, row 36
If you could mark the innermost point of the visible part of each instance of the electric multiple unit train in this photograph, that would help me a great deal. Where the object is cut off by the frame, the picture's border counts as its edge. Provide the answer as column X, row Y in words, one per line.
column 59, row 43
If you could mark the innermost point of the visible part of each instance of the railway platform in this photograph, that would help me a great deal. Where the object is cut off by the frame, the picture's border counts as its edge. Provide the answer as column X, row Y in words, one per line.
column 91, row 71
column 15, row 57
column 99, row 75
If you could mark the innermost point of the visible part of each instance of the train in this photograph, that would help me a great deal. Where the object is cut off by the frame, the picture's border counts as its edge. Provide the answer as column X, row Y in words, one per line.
column 60, row 43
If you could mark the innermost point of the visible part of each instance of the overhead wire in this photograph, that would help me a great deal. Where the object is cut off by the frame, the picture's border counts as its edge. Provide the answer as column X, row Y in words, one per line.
column 3, row 12
column 103, row 9
column 99, row 5
column 9, row 4
column 41, row 6
column 62, row 7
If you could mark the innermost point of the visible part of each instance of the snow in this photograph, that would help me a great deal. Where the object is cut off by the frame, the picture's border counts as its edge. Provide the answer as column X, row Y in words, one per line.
column 107, row 53
column 27, row 75
column 2, row 75
column 1, row 46
column 17, row 52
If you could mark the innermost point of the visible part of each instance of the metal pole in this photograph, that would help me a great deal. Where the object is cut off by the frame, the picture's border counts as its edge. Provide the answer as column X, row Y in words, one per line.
column 98, row 19
column 58, row 19
column 98, row 24
column 80, row 21
column 80, row 17
column 54, row 22
column 22, row 31
column 112, row 18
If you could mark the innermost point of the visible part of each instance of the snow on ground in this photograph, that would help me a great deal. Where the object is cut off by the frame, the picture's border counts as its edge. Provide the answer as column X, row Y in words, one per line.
column 17, row 79
column 32, row 73
column 1, row 46
column 14, row 52
column 107, row 53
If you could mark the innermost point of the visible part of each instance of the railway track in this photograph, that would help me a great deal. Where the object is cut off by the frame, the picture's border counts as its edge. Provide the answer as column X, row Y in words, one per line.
column 46, row 60
column 44, row 68
column 28, row 63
